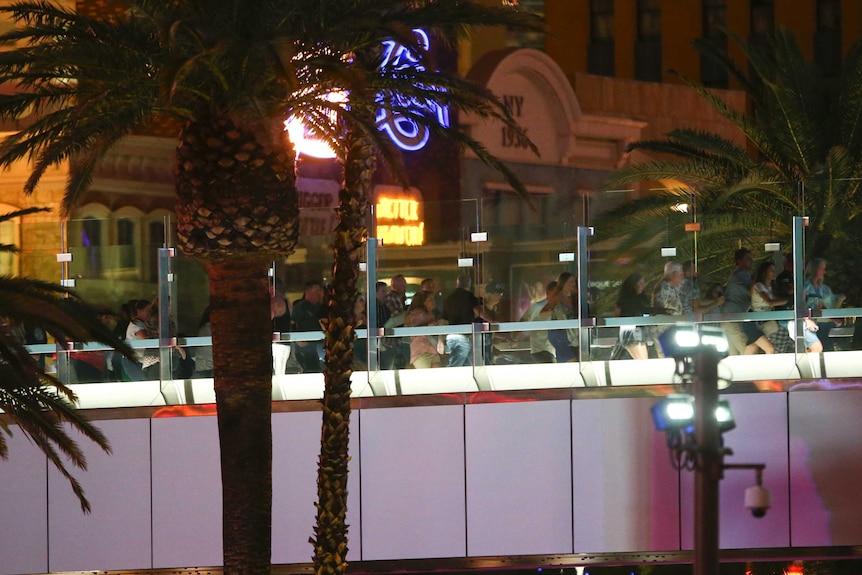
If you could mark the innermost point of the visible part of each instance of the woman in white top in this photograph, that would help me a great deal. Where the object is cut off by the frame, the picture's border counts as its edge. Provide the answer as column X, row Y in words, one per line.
column 138, row 328
column 763, row 299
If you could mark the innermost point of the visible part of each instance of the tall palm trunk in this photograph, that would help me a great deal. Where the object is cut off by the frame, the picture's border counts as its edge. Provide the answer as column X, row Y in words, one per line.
column 237, row 209
column 242, row 339
column 330, row 541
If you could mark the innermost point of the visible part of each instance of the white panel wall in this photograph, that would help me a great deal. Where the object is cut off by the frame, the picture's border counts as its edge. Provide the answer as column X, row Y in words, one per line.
column 187, row 518
column 24, row 504
column 760, row 437
column 116, row 535
column 412, row 468
column 619, row 490
column 296, row 447
column 826, row 469
column 519, row 478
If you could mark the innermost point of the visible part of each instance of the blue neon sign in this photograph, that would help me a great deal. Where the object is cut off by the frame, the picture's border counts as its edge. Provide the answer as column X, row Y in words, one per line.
column 405, row 132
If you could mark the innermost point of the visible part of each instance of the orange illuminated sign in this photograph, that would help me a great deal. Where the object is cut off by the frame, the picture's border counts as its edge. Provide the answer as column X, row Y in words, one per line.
column 399, row 221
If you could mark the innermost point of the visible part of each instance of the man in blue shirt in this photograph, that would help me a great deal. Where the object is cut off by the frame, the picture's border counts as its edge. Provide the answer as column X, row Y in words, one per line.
column 738, row 299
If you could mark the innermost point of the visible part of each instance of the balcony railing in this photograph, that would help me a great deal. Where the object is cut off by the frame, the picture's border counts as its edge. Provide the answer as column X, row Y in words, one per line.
column 523, row 257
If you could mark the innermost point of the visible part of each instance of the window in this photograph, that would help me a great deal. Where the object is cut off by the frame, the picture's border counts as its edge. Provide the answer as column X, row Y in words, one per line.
column 126, row 243
column 827, row 38
column 648, row 46
column 90, row 241
column 157, row 240
column 600, row 54
column 649, row 20
column 828, row 16
column 602, row 20
column 524, row 38
column 714, row 22
column 714, row 18
column 762, row 18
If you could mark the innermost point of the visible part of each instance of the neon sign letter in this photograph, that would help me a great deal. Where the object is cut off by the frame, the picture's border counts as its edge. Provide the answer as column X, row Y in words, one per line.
column 404, row 131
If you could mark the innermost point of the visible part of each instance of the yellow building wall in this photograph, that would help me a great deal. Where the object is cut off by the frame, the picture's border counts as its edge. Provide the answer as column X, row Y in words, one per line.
column 568, row 38
column 680, row 25
column 800, row 17
column 625, row 36
column 851, row 22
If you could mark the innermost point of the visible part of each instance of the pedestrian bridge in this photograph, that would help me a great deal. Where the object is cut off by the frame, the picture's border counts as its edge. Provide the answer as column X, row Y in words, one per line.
column 492, row 465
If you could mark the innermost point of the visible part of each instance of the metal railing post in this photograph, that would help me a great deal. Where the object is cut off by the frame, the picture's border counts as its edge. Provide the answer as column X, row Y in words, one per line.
column 583, row 306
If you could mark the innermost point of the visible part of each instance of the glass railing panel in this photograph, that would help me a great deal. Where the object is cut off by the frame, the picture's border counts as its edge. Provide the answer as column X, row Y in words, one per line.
column 37, row 259
column 298, row 347
column 114, row 261
column 521, row 254
column 518, row 366
column 189, row 294
column 38, row 243
column 526, row 253
column 428, row 268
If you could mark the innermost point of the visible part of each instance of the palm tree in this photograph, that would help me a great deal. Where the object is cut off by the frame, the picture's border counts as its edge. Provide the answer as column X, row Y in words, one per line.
column 230, row 73
column 36, row 401
column 803, row 158
column 399, row 87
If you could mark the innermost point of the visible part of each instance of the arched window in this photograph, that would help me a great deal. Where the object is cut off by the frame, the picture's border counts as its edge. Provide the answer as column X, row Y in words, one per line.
column 126, row 231
column 86, row 234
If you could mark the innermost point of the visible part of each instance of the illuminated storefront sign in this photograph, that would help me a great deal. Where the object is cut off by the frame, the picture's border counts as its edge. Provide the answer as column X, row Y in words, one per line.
column 404, row 131
column 399, row 217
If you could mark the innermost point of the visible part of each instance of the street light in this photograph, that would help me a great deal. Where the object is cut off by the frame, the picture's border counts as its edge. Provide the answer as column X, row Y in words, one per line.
column 693, row 422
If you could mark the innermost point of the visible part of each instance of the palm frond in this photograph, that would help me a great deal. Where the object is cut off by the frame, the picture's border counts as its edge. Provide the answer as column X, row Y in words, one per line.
column 806, row 161
column 9, row 248
column 36, row 401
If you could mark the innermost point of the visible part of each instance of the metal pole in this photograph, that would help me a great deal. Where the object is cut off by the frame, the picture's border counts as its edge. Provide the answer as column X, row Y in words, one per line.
column 582, row 307
column 373, row 341
column 708, row 470
column 800, row 310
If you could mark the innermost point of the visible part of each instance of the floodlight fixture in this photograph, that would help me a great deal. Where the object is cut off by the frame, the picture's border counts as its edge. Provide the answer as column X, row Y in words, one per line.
column 724, row 416
column 685, row 339
column 676, row 413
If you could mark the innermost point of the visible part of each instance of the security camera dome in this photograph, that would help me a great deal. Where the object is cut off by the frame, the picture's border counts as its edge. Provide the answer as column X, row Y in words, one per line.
column 757, row 500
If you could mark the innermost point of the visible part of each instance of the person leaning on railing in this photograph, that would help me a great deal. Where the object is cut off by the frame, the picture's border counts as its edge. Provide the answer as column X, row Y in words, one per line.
column 542, row 349
column 632, row 301
column 666, row 298
column 138, row 328
column 818, row 295
column 763, row 299
column 693, row 300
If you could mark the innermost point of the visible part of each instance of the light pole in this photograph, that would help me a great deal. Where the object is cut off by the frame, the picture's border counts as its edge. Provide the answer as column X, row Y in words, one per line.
column 708, row 471
column 694, row 422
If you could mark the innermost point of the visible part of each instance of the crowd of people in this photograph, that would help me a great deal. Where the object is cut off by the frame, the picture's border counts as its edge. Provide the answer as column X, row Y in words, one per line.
column 678, row 292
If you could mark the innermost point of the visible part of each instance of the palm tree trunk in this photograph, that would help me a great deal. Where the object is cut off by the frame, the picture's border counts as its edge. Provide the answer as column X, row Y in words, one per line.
column 242, row 358
column 330, row 541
